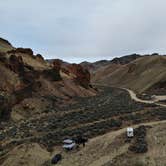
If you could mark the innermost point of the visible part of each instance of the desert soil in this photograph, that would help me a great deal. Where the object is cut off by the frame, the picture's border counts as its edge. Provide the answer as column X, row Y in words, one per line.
column 99, row 151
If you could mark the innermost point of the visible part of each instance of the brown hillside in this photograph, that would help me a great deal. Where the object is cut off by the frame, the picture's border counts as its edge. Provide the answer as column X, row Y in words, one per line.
column 139, row 75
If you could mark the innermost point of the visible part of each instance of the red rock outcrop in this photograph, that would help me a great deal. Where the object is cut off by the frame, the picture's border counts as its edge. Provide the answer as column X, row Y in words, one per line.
column 82, row 75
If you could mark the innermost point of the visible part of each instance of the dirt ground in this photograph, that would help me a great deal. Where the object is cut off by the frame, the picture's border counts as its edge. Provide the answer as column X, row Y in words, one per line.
column 102, row 150
column 26, row 155
column 106, row 150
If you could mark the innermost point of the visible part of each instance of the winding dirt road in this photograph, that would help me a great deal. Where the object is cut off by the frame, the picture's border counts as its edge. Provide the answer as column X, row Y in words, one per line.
column 134, row 97
column 157, row 98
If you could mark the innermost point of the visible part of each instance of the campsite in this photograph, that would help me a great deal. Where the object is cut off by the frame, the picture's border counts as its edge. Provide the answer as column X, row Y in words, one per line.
column 82, row 83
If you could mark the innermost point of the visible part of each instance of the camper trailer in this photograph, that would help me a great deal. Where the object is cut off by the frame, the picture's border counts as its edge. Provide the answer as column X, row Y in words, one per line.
column 130, row 132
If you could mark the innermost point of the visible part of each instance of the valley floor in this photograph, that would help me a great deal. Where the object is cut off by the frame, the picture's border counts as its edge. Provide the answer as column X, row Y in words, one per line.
column 103, row 150
column 107, row 150
column 111, row 111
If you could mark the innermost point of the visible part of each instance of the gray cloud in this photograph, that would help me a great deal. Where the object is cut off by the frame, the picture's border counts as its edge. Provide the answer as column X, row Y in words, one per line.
column 78, row 30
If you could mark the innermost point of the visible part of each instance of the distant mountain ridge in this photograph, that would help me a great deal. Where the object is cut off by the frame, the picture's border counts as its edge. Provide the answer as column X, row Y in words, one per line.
column 92, row 67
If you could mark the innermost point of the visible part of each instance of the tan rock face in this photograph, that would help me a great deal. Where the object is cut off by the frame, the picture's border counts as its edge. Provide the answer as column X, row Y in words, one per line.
column 21, row 50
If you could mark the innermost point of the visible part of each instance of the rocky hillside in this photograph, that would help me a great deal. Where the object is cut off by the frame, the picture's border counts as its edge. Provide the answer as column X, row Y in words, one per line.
column 145, row 74
column 30, row 85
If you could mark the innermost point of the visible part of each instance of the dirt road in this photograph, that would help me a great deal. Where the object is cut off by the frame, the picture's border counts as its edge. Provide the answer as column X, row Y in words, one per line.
column 156, row 99
column 101, row 149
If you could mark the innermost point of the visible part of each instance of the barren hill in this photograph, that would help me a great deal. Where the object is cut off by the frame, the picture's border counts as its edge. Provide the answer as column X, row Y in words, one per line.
column 143, row 74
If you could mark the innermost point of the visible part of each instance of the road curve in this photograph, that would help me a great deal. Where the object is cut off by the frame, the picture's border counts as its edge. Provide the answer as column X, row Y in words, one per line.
column 134, row 97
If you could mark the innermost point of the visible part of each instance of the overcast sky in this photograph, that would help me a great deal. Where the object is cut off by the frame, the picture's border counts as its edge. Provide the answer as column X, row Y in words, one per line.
column 79, row 30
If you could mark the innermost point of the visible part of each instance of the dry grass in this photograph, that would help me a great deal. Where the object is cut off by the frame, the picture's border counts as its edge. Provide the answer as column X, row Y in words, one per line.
column 26, row 155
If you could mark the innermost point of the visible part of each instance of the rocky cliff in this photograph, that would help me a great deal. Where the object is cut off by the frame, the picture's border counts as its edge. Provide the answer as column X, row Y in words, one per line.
column 32, row 85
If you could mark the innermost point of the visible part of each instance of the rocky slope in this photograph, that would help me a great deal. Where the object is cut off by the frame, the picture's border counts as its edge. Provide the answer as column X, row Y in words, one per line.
column 31, row 85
